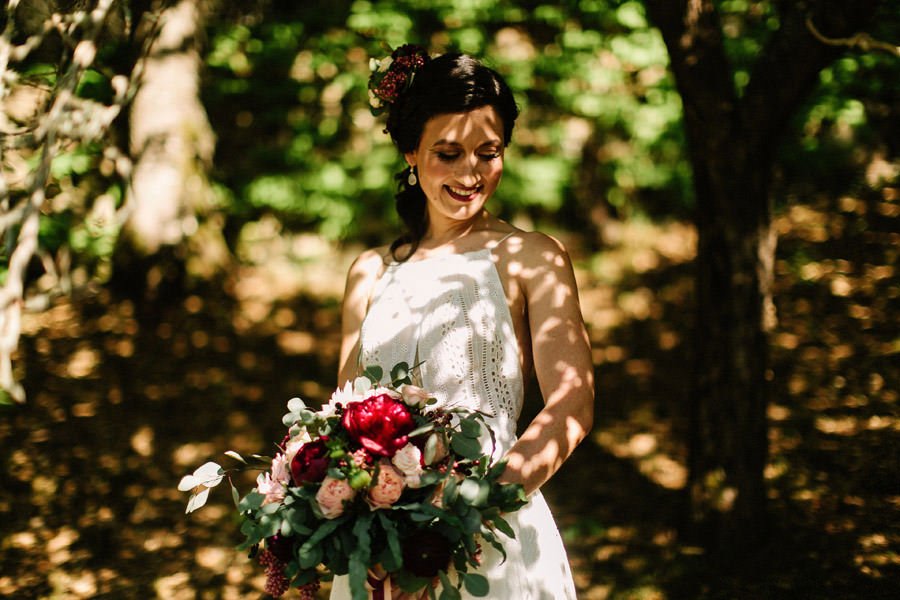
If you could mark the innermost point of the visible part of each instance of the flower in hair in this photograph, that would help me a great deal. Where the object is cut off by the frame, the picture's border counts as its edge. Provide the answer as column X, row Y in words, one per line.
column 392, row 75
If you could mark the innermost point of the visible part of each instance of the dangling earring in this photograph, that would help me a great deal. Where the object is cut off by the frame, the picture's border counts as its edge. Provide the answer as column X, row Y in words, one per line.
column 412, row 179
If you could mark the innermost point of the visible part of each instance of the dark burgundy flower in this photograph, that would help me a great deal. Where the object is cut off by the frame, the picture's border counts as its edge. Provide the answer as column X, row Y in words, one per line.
column 380, row 424
column 311, row 462
column 425, row 552
column 282, row 547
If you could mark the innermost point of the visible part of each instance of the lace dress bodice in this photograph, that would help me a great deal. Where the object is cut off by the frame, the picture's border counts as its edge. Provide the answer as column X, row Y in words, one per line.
column 450, row 314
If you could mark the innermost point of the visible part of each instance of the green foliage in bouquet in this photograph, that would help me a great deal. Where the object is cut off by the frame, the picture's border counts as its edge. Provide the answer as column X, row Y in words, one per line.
column 379, row 484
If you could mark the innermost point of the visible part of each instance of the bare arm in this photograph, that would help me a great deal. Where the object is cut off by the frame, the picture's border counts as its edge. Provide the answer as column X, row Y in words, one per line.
column 361, row 278
column 562, row 363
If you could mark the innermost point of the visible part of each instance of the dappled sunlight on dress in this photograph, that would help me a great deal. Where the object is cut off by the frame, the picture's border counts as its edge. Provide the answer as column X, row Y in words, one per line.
column 450, row 313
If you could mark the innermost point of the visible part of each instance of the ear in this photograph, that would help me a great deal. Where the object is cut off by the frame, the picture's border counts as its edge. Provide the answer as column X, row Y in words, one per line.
column 410, row 158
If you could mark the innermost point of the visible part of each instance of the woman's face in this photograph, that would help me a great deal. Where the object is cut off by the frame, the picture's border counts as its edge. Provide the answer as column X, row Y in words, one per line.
column 459, row 162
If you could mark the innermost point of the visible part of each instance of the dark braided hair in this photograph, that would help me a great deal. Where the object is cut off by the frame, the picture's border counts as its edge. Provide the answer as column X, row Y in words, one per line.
column 450, row 83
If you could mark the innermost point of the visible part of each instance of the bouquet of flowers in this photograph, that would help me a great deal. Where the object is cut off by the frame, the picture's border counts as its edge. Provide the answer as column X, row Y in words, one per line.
column 378, row 484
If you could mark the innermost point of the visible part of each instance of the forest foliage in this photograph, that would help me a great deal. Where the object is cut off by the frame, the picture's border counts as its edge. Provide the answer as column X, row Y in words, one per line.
column 600, row 135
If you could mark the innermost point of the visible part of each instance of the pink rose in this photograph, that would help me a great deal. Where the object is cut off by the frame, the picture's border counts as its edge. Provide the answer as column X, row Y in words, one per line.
column 388, row 486
column 310, row 463
column 380, row 424
column 332, row 496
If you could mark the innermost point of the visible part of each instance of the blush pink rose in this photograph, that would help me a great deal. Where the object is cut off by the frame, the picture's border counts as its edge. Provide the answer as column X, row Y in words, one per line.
column 387, row 487
column 332, row 496
column 414, row 395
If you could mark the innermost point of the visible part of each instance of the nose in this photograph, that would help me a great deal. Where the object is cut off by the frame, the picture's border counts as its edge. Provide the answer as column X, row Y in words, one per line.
column 467, row 171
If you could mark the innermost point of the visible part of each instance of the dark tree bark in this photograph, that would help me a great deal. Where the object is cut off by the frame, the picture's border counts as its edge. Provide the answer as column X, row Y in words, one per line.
column 732, row 141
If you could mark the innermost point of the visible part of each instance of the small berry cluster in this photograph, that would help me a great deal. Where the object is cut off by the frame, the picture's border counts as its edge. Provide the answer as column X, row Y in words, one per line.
column 309, row 591
column 387, row 86
column 276, row 583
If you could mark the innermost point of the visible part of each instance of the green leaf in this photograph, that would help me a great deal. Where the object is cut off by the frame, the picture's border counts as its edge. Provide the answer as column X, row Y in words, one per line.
column 374, row 373
column 251, row 502
column 448, row 591
column 359, row 557
column 400, row 374
column 470, row 428
column 311, row 552
column 394, row 556
column 409, row 582
column 476, row 584
column 466, row 447
column 420, row 430
column 501, row 524
column 235, row 495
column 357, row 575
column 474, row 492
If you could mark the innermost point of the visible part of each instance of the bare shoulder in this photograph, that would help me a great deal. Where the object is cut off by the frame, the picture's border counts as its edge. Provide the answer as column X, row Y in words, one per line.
column 369, row 264
column 533, row 250
column 363, row 273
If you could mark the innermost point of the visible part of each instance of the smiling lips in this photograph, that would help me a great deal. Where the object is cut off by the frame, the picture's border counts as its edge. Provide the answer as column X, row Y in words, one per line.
column 462, row 194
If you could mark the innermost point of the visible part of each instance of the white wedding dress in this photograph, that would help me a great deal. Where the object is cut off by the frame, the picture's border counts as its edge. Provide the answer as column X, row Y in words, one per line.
column 450, row 313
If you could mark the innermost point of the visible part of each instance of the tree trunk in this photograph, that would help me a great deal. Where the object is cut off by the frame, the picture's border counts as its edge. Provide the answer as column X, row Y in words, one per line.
column 172, row 144
column 732, row 141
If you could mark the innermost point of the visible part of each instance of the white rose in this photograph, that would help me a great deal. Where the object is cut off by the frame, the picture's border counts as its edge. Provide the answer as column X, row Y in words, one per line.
column 408, row 461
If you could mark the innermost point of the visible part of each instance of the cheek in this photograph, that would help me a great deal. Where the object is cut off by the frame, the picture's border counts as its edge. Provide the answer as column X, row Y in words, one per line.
column 494, row 171
column 437, row 171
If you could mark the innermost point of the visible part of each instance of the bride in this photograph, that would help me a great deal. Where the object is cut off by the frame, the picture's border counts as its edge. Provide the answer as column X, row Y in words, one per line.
column 479, row 303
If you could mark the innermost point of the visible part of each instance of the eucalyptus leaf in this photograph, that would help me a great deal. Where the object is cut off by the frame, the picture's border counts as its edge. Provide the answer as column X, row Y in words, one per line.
column 400, row 373
column 295, row 405
column 476, row 584
column 251, row 502
column 235, row 456
column 448, row 591
column 374, row 373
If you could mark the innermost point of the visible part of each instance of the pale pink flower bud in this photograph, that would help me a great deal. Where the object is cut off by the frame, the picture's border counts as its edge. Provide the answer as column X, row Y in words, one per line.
column 414, row 395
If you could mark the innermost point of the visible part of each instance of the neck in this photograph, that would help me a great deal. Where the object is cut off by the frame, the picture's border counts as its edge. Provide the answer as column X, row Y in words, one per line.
column 445, row 232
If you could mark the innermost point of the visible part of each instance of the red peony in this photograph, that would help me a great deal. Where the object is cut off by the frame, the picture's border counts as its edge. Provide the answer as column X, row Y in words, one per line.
column 311, row 462
column 380, row 424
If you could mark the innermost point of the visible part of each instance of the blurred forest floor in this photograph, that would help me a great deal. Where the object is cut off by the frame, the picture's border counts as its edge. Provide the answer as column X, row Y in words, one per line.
column 125, row 398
